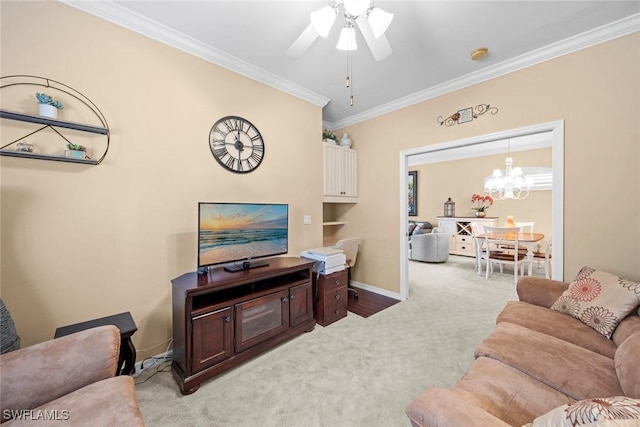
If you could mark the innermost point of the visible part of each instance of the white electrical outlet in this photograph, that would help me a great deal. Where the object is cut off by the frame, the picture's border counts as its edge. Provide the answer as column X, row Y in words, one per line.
column 307, row 219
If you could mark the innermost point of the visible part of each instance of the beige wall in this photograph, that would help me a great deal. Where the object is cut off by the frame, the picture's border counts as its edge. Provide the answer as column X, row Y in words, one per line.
column 595, row 91
column 459, row 179
column 80, row 242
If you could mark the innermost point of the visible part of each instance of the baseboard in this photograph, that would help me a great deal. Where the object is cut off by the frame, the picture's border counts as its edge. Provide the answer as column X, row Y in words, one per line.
column 151, row 362
column 379, row 291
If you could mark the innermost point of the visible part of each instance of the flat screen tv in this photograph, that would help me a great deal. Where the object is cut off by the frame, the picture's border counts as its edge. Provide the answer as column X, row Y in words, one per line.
column 234, row 234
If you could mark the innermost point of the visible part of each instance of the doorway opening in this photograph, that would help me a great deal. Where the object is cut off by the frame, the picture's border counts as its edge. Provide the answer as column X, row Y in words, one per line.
column 521, row 139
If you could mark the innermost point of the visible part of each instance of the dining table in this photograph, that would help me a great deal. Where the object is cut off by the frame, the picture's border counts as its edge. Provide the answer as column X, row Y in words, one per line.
column 524, row 239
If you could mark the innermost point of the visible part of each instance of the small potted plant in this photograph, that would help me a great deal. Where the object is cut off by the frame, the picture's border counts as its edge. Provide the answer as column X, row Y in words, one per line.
column 328, row 136
column 75, row 151
column 482, row 207
column 48, row 107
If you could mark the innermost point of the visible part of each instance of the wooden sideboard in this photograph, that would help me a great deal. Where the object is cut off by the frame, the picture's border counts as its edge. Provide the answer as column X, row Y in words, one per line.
column 221, row 319
column 459, row 230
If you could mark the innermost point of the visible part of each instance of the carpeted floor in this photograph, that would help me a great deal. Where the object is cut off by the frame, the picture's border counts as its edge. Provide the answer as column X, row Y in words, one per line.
column 356, row 372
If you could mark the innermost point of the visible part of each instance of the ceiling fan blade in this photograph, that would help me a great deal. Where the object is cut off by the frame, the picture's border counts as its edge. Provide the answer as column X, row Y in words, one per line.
column 302, row 43
column 380, row 47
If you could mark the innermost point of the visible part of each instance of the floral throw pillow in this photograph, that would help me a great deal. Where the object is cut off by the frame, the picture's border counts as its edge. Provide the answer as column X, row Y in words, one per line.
column 602, row 412
column 599, row 299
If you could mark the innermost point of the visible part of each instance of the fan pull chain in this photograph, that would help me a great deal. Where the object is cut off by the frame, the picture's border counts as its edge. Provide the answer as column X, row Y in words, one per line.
column 349, row 77
column 348, row 71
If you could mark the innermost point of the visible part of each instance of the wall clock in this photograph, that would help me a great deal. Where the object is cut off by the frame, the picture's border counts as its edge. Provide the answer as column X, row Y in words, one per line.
column 236, row 144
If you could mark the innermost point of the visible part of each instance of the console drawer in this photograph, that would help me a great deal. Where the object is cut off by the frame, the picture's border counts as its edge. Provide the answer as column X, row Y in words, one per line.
column 334, row 305
column 333, row 281
column 464, row 240
column 332, row 297
column 464, row 245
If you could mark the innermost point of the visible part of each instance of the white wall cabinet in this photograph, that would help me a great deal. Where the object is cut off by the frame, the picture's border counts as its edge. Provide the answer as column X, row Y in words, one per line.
column 340, row 174
column 459, row 230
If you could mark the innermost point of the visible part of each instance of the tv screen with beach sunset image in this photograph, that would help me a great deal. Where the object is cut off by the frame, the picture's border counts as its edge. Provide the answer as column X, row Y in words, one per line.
column 231, row 232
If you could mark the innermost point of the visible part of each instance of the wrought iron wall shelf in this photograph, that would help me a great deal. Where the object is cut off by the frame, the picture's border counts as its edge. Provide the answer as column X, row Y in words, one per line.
column 50, row 123
column 27, row 155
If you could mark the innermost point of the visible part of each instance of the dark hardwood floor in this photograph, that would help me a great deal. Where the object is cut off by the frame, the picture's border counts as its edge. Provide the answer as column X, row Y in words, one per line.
column 368, row 303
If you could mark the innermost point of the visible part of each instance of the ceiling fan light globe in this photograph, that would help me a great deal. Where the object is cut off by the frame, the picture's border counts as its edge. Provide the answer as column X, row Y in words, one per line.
column 379, row 21
column 323, row 19
column 356, row 7
column 347, row 40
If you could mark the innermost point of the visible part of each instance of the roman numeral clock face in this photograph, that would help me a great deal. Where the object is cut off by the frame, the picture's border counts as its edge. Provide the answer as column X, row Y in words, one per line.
column 236, row 144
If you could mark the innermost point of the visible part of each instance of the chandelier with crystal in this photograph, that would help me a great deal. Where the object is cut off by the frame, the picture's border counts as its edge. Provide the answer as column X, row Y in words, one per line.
column 510, row 183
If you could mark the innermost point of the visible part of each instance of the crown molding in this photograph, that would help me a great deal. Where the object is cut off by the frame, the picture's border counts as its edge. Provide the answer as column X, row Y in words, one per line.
column 118, row 15
column 123, row 17
column 581, row 41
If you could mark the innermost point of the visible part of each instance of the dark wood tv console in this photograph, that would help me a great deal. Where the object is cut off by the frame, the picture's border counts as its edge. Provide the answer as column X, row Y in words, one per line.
column 221, row 319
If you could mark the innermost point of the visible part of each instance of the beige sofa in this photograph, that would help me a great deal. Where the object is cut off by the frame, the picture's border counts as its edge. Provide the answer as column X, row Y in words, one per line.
column 68, row 381
column 536, row 360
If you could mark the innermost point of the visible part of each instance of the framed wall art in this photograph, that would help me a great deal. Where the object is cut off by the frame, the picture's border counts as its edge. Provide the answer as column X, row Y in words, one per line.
column 412, row 188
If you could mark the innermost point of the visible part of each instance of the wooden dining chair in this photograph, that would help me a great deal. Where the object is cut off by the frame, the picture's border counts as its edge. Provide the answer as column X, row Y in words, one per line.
column 495, row 239
column 545, row 257
column 527, row 226
column 476, row 230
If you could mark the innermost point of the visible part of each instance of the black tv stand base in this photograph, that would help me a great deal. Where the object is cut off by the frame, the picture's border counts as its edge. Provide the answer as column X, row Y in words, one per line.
column 246, row 265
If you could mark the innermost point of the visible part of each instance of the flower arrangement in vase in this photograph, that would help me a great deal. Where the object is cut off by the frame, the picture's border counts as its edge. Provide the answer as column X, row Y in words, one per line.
column 48, row 107
column 328, row 135
column 484, row 202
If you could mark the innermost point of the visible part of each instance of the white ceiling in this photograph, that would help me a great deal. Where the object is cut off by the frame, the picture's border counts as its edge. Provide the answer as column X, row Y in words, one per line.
column 431, row 42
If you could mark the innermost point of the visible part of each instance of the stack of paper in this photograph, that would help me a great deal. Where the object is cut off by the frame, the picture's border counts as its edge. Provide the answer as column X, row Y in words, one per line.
column 329, row 260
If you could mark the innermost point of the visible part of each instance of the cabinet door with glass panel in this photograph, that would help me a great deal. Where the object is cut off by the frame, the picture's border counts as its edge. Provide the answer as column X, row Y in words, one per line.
column 261, row 318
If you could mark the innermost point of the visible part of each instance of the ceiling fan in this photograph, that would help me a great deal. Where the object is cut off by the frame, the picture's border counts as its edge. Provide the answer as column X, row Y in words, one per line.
column 372, row 22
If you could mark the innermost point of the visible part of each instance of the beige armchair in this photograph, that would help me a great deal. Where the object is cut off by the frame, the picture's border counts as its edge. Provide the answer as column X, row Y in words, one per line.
column 432, row 247
column 68, row 379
